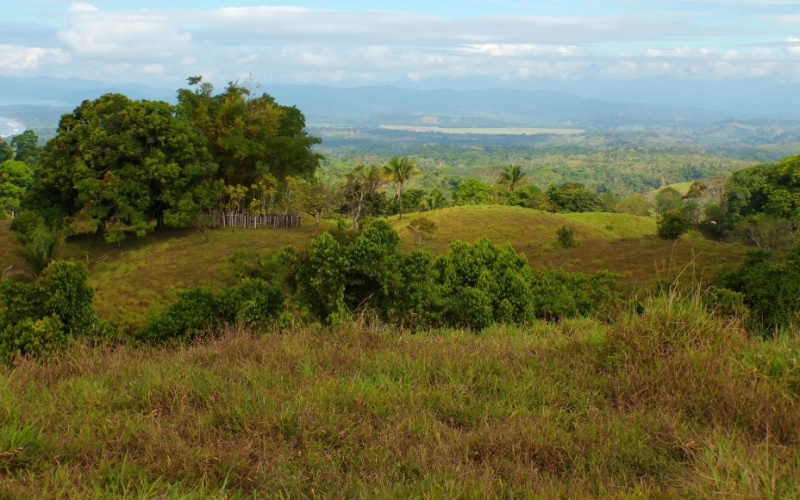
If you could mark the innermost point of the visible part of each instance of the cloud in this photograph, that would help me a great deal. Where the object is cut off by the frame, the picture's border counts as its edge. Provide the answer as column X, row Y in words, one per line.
column 16, row 59
column 114, row 36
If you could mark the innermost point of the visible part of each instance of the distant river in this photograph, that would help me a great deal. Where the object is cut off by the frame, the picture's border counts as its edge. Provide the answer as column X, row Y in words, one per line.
column 10, row 127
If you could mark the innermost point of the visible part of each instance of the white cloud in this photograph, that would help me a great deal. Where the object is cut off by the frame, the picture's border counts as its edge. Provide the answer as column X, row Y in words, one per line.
column 15, row 59
column 116, row 36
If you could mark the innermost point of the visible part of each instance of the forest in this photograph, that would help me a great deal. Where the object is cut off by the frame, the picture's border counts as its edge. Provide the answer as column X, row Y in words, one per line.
column 564, row 315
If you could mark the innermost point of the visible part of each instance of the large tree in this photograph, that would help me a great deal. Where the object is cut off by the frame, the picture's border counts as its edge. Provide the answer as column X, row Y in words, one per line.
column 399, row 171
column 26, row 148
column 126, row 165
column 249, row 136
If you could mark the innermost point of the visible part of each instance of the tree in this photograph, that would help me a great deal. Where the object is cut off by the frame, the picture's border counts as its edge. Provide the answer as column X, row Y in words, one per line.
column 422, row 228
column 15, row 179
column 511, row 176
column 635, row 204
column 399, row 171
column 127, row 165
column 6, row 151
column 668, row 199
column 26, row 148
column 314, row 197
column 247, row 135
column 573, row 197
column 361, row 192
column 435, row 200
column 671, row 224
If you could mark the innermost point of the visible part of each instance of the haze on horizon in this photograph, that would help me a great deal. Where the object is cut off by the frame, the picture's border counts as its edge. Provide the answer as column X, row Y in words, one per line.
column 584, row 46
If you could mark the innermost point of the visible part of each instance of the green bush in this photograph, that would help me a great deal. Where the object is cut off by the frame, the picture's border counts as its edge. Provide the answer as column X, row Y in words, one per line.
column 197, row 312
column 39, row 318
column 566, row 237
column 480, row 284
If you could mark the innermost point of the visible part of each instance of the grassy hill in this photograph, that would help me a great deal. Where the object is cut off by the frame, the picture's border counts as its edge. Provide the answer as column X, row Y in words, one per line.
column 141, row 275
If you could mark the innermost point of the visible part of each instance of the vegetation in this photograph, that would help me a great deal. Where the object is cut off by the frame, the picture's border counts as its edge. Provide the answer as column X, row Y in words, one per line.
column 539, row 344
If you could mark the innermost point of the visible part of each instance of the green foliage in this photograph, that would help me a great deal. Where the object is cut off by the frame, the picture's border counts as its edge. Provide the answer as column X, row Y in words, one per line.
column 573, row 197
column 668, row 199
column 559, row 294
column 26, row 148
column 399, row 171
column 40, row 244
column 511, row 176
column 472, row 192
column 39, row 319
column 635, row 204
column 771, row 288
column 15, row 179
column 673, row 223
column 6, row 151
column 321, row 278
column 125, row 163
column 249, row 136
column 481, row 284
column 566, row 237
column 198, row 311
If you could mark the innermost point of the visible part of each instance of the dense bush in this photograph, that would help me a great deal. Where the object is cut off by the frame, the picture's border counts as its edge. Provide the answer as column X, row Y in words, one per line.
column 481, row 283
column 40, row 318
column 199, row 311
column 771, row 288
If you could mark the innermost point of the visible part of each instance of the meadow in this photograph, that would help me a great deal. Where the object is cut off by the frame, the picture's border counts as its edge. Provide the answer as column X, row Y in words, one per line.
column 669, row 403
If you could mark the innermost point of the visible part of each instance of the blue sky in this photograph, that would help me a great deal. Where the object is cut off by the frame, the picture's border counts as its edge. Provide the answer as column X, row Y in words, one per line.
column 468, row 43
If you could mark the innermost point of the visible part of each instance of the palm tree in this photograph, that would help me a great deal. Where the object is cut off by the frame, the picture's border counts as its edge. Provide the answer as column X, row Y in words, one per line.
column 435, row 200
column 513, row 176
column 400, row 170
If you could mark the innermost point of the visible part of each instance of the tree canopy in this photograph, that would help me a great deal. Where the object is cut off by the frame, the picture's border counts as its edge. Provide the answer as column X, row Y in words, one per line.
column 121, row 162
column 249, row 136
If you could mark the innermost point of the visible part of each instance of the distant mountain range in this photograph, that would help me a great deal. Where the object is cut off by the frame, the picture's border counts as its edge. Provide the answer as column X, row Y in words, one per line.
column 39, row 102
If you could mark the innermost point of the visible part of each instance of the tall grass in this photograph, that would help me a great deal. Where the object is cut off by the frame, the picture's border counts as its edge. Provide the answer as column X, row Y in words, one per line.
column 671, row 402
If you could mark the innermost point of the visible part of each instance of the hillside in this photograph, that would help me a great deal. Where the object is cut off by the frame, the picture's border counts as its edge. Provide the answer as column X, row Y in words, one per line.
column 141, row 275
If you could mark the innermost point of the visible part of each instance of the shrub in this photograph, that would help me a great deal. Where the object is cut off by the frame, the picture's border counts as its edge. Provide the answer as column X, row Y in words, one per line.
column 39, row 318
column 422, row 228
column 197, row 311
column 481, row 283
column 566, row 237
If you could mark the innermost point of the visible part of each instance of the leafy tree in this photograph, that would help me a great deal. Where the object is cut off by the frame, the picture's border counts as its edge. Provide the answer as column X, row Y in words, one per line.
column 573, row 197
column 399, row 171
column 511, row 176
column 125, row 164
column 6, row 151
column 668, row 199
column 314, row 197
column 671, row 224
column 26, row 148
column 435, row 200
column 15, row 179
column 635, row 204
column 40, row 243
column 361, row 196
column 472, row 192
column 766, row 232
column 249, row 136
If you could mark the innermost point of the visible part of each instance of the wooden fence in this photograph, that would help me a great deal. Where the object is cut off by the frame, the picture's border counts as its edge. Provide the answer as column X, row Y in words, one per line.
column 232, row 219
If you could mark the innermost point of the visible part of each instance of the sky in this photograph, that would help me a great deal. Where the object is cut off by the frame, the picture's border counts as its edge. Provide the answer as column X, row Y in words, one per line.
column 433, row 43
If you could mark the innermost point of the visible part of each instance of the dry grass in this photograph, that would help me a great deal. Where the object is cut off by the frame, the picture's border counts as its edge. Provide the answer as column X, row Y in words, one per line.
column 672, row 403
column 143, row 274
column 619, row 243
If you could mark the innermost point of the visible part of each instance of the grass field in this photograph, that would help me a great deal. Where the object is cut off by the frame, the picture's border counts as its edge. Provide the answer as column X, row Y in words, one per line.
column 484, row 131
column 672, row 403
